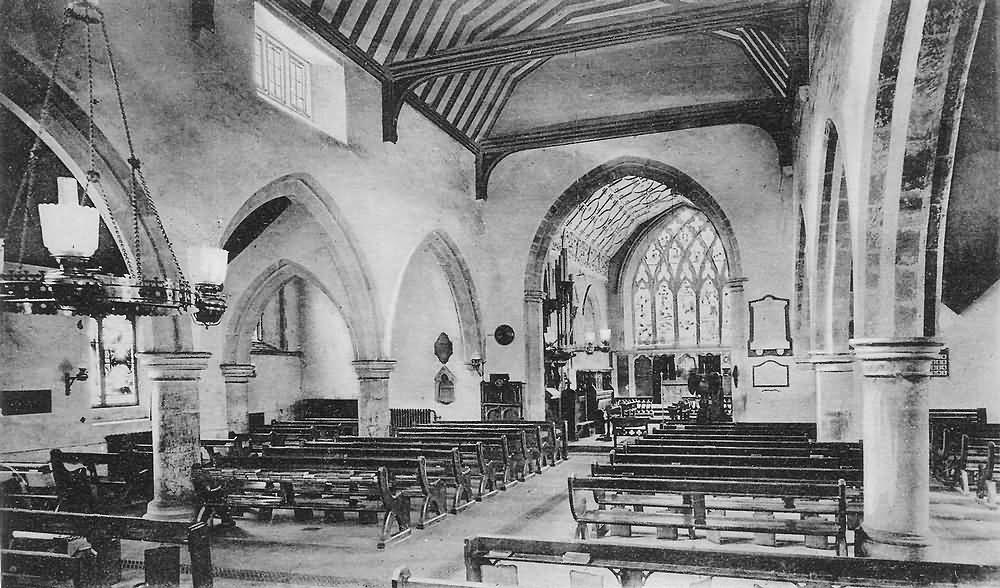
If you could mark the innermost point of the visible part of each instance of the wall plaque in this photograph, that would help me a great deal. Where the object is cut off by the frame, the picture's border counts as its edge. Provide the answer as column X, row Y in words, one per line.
column 770, row 331
column 26, row 402
column 771, row 374
column 443, row 347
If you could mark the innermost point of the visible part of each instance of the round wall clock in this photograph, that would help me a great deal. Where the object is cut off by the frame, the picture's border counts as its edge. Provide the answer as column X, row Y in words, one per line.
column 504, row 334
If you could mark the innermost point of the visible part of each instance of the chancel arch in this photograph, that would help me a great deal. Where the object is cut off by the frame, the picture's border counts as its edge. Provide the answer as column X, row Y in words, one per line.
column 600, row 223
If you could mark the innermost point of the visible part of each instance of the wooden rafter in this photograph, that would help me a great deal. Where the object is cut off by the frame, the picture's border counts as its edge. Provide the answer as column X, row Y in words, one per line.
column 770, row 114
column 404, row 75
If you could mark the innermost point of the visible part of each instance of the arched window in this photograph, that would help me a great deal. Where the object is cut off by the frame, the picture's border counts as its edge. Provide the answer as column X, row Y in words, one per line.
column 677, row 287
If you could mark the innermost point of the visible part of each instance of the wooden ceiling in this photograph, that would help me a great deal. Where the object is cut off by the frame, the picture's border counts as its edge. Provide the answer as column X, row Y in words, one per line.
column 460, row 62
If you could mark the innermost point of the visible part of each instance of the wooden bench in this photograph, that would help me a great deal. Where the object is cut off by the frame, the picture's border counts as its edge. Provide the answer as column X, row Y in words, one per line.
column 509, row 448
column 366, row 492
column 695, row 516
column 787, row 428
column 852, row 475
column 443, row 464
column 87, row 489
column 527, row 436
column 27, row 485
column 724, row 460
column 104, row 534
column 806, row 450
column 976, row 461
column 481, row 471
column 235, row 446
column 633, row 563
column 328, row 426
column 407, row 476
column 555, row 437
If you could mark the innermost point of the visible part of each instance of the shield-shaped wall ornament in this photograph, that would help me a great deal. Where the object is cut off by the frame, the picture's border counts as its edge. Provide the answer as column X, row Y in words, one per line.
column 443, row 348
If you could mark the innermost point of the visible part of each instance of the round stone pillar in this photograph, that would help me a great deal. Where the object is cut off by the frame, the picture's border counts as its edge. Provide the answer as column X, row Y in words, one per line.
column 737, row 341
column 533, row 397
column 237, row 377
column 895, row 426
column 373, row 401
column 172, row 380
column 838, row 402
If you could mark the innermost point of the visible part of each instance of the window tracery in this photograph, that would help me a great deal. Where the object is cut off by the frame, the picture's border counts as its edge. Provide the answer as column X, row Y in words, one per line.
column 677, row 288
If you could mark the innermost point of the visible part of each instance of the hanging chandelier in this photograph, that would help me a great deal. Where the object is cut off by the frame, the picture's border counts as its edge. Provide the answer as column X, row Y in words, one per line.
column 70, row 230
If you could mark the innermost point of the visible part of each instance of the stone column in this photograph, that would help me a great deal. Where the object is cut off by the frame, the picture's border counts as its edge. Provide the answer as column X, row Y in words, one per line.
column 373, row 401
column 838, row 403
column 895, row 425
column 237, row 377
column 172, row 379
column 737, row 342
column 534, row 349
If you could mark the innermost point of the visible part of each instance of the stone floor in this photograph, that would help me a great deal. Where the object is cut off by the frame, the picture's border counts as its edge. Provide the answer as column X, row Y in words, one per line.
column 286, row 552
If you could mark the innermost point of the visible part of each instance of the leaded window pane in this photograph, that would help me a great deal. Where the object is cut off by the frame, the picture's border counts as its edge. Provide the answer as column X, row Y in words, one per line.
column 682, row 270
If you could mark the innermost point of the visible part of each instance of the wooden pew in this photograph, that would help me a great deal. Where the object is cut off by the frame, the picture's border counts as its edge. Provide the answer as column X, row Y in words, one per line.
column 482, row 472
column 667, row 523
column 632, row 563
column 103, row 533
column 235, row 446
column 27, row 485
column 975, row 464
column 366, row 492
column 528, row 435
column 509, row 447
column 555, row 437
column 724, row 460
column 443, row 464
column 852, row 475
column 85, row 489
column 788, row 428
column 338, row 426
column 667, row 447
column 407, row 476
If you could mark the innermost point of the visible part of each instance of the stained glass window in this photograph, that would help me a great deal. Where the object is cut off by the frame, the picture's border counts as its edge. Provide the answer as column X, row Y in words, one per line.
column 685, row 266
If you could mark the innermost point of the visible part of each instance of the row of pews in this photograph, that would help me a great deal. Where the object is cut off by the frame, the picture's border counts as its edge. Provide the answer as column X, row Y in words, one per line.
column 85, row 550
column 721, row 479
column 767, row 479
column 496, row 560
column 414, row 479
column 964, row 450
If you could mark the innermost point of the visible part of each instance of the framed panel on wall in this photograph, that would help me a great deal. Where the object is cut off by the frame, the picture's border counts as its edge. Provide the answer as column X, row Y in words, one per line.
column 770, row 327
column 770, row 373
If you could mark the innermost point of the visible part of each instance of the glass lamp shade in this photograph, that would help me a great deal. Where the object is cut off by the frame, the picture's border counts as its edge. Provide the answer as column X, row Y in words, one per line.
column 605, row 335
column 68, row 229
column 589, row 337
column 208, row 265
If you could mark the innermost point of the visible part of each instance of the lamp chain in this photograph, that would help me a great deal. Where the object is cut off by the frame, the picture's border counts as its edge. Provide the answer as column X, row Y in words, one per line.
column 137, row 175
column 26, row 188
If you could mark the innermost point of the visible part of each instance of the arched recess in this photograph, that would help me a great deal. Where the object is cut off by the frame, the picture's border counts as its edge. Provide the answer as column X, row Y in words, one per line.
column 557, row 214
column 461, row 285
column 341, row 274
column 65, row 133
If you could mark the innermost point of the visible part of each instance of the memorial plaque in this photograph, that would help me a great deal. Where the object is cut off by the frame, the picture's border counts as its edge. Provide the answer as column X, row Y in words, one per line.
column 26, row 402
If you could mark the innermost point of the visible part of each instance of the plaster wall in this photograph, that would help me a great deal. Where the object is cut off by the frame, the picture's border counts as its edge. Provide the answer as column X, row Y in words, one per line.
column 973, row 342
column 427, row 309
column 31, row 360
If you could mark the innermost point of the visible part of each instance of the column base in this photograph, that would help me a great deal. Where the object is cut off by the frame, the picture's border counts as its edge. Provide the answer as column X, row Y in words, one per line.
column 891, row 545
column 163, row 510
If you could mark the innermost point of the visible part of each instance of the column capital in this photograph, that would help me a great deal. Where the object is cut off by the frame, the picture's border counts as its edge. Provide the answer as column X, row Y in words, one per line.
column 896, row 357
column 181, row 365
column 238, row 373
column 373, row 369
column 830, row 361
column 534, row 296
column 736, row 283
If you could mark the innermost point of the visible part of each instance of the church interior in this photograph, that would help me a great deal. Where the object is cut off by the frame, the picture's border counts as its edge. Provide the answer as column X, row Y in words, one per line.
column 469, row 293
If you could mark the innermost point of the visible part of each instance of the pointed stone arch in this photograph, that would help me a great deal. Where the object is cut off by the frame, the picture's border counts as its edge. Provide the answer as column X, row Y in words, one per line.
column 342, row 276
column 463, row 289
column 560, row 210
